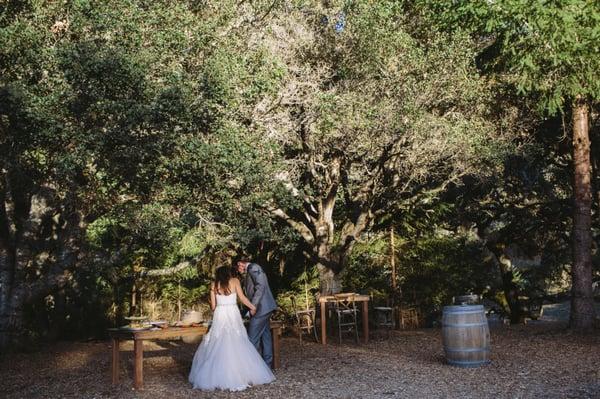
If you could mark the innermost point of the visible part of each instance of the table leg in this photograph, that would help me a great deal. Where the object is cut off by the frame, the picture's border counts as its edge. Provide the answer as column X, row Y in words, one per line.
column 323, row 324
column 365, row 320
column 275, row 333
column 138, row 377
column 115, row 359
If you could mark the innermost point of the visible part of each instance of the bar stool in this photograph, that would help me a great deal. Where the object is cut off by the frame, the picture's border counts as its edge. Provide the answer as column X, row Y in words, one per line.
column 384, row 318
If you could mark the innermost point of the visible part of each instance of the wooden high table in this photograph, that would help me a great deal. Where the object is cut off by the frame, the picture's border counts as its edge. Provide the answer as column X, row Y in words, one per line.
column 365, row 315
column 138, row 337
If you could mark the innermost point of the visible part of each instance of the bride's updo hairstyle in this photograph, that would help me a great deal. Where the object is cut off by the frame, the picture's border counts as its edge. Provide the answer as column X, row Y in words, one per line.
column 222, row 277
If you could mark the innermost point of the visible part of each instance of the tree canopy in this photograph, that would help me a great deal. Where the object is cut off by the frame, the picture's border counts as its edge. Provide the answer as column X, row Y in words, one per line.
column 144, row 143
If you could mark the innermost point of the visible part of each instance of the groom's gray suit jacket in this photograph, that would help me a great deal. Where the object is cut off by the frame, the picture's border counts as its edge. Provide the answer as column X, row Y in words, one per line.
column 257, row 290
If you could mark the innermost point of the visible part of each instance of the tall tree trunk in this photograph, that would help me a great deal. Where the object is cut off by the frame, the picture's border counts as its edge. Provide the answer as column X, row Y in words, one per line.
column 511, row 293
column 6, row 260
column 11, row 304
column 12, row 328
column 329, row 280
column 582, row 302
column 4, row 299
column 327, row 263
column 317, row 228
column 25, row 274
column 510, row 289
column 12, row 319
column 332, row 261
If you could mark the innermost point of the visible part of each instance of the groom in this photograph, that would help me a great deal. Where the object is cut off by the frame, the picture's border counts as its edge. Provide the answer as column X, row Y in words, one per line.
column 256, row 287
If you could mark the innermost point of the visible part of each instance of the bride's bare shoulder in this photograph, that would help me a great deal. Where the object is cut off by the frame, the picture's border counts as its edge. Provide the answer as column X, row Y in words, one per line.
column 235, row 281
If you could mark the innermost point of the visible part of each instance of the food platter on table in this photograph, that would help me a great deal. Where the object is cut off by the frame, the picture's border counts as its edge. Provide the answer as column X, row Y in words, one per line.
column 137, row 323
column 136, row 327
column 186, row 324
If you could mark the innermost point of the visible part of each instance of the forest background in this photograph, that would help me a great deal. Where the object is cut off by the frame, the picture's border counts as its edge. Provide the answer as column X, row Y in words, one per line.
column 144, row 143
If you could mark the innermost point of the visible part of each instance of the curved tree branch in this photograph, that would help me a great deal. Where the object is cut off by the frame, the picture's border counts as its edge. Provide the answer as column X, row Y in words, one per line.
column 301, row 228
column 167, row 271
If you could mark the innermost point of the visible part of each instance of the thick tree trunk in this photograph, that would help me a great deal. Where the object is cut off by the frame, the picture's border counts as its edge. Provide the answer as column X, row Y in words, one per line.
column 511, row 293
column 318, row 230
column 4, row 290
column 510, row 289
column 329, row 280
column 35, row 254
column 16, row 291
column 6, row 260
column 327, row 263
column 12, row 322
column 582, row 302
column 331, row 259
column 11, row 314
column 4, row 317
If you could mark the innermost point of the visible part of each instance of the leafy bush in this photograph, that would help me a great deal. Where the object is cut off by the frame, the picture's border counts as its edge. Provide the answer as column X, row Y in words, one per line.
column 430, row 270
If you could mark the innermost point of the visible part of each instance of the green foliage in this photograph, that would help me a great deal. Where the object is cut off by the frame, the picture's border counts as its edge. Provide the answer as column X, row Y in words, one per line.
column 303, row 289
column 431, row 269
column 102, row 232
column 550, row 48
column 442, row 267
column 169, row 126
column 193, row 243
column 369, row 269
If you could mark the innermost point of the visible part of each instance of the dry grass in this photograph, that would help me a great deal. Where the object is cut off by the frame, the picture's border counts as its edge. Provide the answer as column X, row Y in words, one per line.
column 533, row 361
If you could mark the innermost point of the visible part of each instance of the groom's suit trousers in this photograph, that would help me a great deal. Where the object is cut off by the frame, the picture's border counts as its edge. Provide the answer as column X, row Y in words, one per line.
column 259, row 333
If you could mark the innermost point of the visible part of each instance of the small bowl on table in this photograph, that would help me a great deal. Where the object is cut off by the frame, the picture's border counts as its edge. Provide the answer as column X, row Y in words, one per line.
column 159, row 323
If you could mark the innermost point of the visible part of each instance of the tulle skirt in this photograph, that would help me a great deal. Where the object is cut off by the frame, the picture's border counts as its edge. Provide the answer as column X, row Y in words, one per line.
column 226, row 359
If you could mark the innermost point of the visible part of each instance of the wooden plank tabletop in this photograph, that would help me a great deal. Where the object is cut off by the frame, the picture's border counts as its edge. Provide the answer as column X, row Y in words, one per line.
column 166, row 333
column 331, row 298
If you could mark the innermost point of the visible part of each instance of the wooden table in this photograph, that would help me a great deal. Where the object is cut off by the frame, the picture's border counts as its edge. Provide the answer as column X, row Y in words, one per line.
column 138, row 338
column 324, row 299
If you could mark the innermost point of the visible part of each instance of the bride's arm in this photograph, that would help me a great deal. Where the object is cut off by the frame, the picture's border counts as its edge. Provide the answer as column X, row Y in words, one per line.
column 213, row 299
column 240, row 294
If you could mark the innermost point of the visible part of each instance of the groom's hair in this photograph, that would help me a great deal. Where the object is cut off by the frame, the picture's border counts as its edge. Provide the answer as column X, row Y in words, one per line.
column 240, row 259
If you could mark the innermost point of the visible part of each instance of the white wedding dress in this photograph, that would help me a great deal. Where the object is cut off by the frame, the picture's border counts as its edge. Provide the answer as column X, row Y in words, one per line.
column 226, row 359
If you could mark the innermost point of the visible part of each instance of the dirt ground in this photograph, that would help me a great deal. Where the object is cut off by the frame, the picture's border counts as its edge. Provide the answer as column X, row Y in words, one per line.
column 530, row 361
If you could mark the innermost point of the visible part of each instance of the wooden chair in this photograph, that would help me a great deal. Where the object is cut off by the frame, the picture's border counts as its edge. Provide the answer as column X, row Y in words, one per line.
column 344, row 308
column 408, row 318
column 305, row 321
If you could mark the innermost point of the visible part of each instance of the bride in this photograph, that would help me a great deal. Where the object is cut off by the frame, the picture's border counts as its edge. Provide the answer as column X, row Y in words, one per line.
column 226, row 359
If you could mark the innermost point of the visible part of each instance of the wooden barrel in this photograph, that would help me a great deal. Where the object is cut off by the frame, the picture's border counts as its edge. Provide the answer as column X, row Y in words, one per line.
column 465, row 335
column 469, row 299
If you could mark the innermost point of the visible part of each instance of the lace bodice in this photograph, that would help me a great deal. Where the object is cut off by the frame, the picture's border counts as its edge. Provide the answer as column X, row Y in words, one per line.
column 227, row 300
